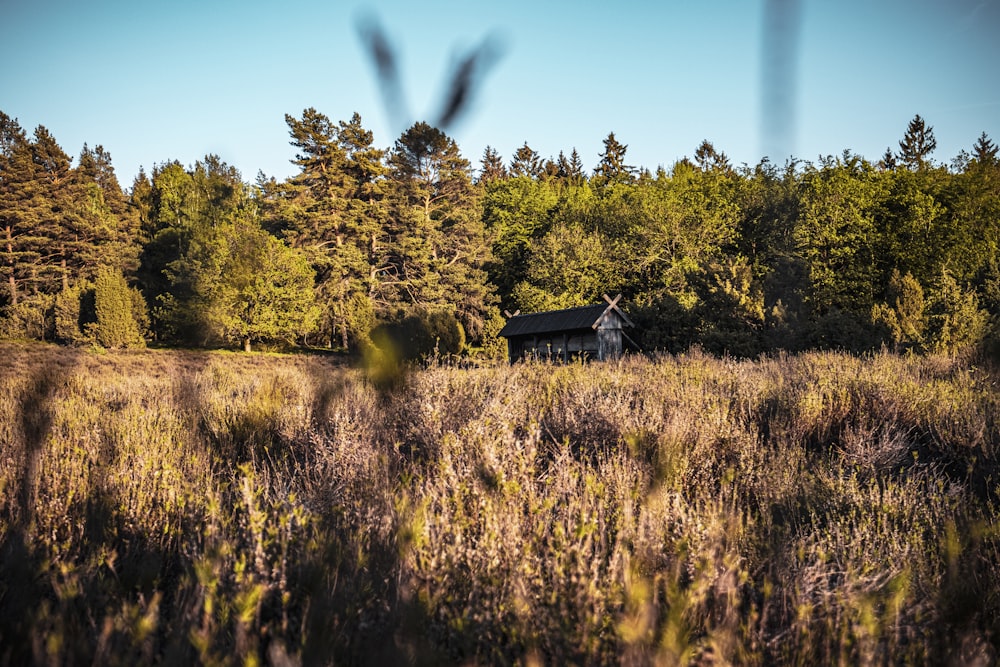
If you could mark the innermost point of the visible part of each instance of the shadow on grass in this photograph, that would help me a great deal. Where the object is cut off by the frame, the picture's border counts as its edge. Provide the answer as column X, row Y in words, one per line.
column 44, row 370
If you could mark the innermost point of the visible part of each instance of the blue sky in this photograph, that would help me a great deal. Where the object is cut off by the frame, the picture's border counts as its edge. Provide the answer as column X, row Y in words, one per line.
column 159, row 81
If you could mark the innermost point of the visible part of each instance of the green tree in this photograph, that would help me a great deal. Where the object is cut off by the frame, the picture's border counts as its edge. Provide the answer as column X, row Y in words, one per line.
column 334, row 211
column 526, row 162
column 239, row 285
column 984, row 152
column 114, row 305
column 709, row 159
column 954, row 320
column 568, row 267
column 917, row 145
column 903, row 315
column 73, row 314
column 16, row 173
column 729, row 316
column 515, row 211
column 836, row 235
column 56, row 223
column 915, row 233
column 492, row 167
column 570, row 169
column 437, row 249
column 612, row 167
column 185, row 207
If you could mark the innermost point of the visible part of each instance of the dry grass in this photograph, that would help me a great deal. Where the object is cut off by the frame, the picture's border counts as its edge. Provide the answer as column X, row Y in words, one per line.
column 186, row 507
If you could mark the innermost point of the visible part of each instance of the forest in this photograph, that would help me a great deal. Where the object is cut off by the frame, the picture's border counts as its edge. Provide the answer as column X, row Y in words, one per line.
column 414, row 244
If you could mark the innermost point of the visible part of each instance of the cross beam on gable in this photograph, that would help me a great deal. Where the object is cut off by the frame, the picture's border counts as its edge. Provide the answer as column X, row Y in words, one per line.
column 612, row 305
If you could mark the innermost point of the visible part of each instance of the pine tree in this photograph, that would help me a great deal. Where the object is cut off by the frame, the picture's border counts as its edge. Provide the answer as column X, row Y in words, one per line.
column 16, row 172
column 575, row 171
column 54, row 231
column 526, row 162
column 984, row 152
column 903, row 315
column 493, row 168
column 612, row 167
column 334, row 211
column 709, row 159
column 437, row 245
column 954, row 319
column 917, row 145
column 888, row 161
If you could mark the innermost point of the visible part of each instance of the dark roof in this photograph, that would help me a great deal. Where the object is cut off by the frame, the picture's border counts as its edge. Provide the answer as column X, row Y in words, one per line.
column 583, row 317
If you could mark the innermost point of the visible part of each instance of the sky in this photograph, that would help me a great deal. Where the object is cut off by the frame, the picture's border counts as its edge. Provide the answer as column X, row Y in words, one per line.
column 157, row 81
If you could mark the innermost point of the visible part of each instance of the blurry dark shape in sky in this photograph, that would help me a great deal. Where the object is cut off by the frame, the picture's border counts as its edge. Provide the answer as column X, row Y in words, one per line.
column 779, row 66
column 384, row 58
column 467, row 75
column 461, row 87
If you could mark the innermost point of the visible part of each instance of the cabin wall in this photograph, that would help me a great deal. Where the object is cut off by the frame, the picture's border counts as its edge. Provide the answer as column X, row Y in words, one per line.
column 609, row 343
column 604, row 343
column 554, row 346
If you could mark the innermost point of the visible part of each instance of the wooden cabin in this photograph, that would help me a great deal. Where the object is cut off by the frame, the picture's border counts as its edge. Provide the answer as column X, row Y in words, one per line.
column 590, row 332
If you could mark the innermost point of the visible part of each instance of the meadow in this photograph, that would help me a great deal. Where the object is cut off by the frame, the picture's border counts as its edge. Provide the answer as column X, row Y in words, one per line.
column 182, row 507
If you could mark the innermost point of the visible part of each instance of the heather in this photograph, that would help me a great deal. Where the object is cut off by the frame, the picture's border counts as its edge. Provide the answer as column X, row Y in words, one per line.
column 187, row 507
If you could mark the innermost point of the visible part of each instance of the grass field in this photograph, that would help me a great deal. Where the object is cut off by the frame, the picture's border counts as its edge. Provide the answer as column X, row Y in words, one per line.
column 216, row 508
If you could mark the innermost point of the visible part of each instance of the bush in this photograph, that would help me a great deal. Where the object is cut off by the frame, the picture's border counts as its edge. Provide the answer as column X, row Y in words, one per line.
column 115, row 304
column 33, row 318
column 420, row 334
column 955, row 322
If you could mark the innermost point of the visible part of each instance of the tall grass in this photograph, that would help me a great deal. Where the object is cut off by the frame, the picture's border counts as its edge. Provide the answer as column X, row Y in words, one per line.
column 187, row 507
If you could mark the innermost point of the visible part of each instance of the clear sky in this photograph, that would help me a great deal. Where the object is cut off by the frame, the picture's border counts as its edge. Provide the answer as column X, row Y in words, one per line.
column 175, row 80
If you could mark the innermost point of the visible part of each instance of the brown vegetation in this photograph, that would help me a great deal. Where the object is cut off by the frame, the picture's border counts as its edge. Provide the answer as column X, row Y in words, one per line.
column 182, row 507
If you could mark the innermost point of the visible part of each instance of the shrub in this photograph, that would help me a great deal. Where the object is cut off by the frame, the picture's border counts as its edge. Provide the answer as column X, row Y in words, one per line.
column 955, row 322
column 420, row 333
column 73, row 312
column 115, row 305
column 32, row 318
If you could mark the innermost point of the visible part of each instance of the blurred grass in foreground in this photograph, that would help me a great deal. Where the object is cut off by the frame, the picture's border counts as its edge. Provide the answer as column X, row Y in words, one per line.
column 190, row 507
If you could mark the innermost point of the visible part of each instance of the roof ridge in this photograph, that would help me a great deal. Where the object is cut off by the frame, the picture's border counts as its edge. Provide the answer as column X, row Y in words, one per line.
column 561, row 310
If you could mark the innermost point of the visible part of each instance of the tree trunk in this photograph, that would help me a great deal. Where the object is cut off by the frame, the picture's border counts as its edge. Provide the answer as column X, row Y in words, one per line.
column 246, row 344
column 11, row 281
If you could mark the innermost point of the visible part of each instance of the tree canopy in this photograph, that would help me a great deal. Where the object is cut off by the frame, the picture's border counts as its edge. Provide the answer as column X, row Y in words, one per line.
column 363, row 241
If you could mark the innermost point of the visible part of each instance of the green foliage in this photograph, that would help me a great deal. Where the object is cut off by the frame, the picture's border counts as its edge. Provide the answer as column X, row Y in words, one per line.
column 730, row 310
column 436, row 251
column 75, row 314
column 904, row 314
column 241, row 285
column 837, row 235
column 31, row 317
column 57, row 222
column 954, row 319
column 333, row 212
column 917, row 145
column 420, row 333
column 516, row 211
column 114, row 305
column 737, row 260
column 612, row 168
column 568, row 267
column 494, row 347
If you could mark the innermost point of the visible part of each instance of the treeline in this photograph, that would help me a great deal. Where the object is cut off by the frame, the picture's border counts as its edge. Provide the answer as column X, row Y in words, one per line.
column 415, row 245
